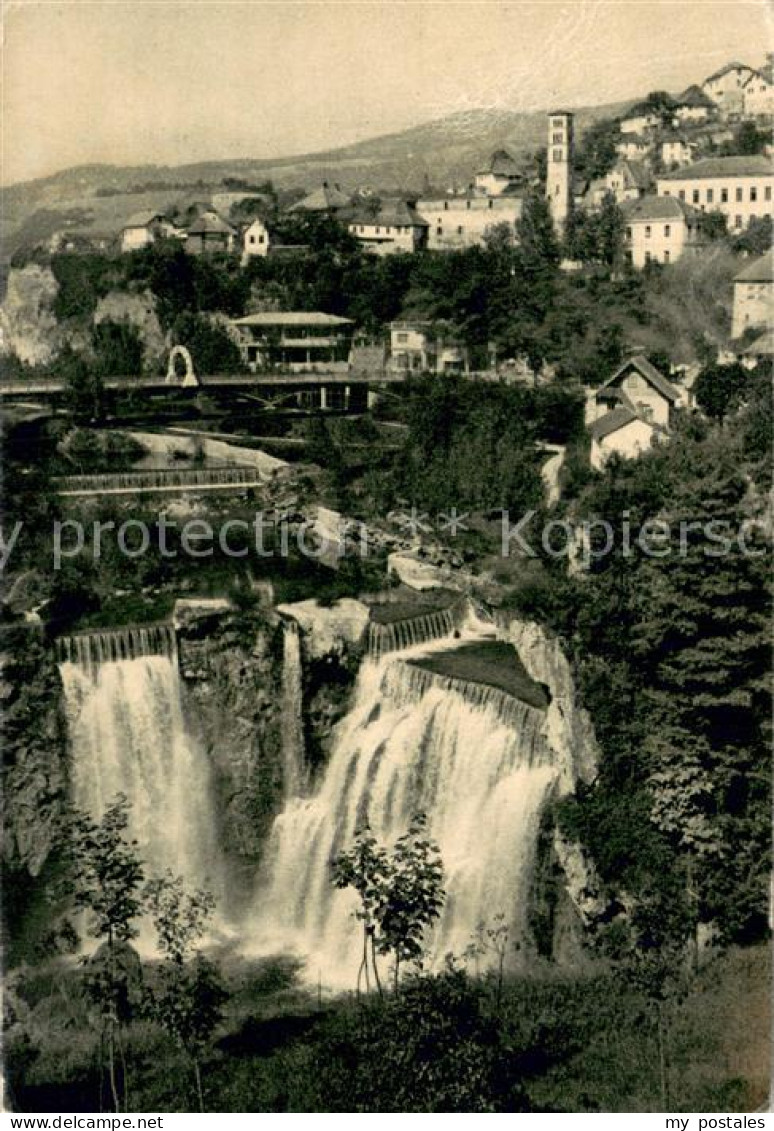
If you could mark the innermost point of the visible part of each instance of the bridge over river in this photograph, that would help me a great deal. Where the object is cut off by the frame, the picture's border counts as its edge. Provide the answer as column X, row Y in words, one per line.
column 334, row 391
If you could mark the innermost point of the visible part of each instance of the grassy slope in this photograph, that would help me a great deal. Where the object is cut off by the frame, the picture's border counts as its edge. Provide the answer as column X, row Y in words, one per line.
column 274, row 1033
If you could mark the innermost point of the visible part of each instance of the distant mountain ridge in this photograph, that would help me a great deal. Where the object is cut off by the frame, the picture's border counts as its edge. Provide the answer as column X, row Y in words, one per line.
column 445, row 152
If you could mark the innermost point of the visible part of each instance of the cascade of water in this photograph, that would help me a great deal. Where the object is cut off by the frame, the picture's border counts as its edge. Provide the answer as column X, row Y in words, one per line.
column 89, row 649
column 410, row 632
column 292, row 723
column 128, row 735
column 413, row 742
column 161, row 477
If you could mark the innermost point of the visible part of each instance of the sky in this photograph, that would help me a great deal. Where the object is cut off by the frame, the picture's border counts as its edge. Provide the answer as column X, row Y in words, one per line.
column 158, row 81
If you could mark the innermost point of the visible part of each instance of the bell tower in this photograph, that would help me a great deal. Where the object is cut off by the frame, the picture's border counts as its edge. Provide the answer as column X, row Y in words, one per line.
column 559, row 166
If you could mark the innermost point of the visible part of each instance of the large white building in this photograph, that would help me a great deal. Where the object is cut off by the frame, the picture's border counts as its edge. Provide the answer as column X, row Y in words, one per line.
column 659, row 229
column 457, row 222
column 739, row 187
column 758, row 97
column 754, row 297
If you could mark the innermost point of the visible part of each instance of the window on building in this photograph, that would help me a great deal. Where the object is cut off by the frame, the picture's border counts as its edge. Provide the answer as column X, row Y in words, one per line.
column 459, row 230
column 252, row 239
column 491, row 204
column 681, row 194
column 666, row 256
column 401, row 337
column 753, row 194
column 767, row 192
column 739, row 194
column 628, row 233
column 737, row 221
column 647, row 231
column 260, row 239
column 667, row 229
column 557, row 155
column 378, row 231
column 467, row 204
column 446, row 206
column 695, row 196
column 439, row 230
column 558, row 139
column 710, row 195
column 645, row 411
column 724, row 196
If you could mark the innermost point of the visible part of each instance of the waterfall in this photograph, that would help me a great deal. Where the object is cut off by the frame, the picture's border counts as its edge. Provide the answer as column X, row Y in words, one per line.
column 292, row 722
column 411, row 631
column 128, row 735
column 481, row 770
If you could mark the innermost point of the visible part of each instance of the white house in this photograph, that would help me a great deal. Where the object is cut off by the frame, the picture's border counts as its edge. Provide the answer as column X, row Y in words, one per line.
column 143, row 229
column 725, row 87
column 659, row 229
column 692, row 106
column 255, row 241
column 627, row 180
column 754, row 296
column 630, row 410
column 416, row 346
column 639, row 120
column 677, row 151
column 394, row 228
column 499, row 174
column 634, row 147
column 739, row 187
column 456, row 222
column 758, row 96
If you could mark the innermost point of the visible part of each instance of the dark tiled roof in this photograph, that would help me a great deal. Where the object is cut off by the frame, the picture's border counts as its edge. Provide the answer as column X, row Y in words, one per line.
column 657, row 208
column 694, row 97
column 502, row 164
column 323, row 199
column 649, row 372
column 611, row 422
column 142, row 220
column 723, row 167
column 210, row 225
column 759, row 271
column 762, row 346
column 725, row 69
column 392, row 213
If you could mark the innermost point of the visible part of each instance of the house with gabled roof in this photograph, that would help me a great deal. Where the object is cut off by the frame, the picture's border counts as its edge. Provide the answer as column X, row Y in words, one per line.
column 758, row 96
column 725, row 87
column 143, row 229
column 660, row 229
column 754, row 296
column 500, row 173
column 693, row 105
column 630, row 411
column 627, row 180
column 329, row 199
column 395, row 227
column 210, row 234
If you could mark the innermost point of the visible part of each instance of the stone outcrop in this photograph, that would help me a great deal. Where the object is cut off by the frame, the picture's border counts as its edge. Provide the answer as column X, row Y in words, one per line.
column 139, row 310
column 230, row 668
column 27, row 320
column 328, row 629
column 35, row 755
column 568, row 727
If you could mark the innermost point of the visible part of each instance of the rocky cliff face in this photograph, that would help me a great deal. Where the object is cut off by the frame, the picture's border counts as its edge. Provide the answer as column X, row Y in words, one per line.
column 139, row 310
column 34, row 781
column 568, row 726
column 230, row 668
column 29, row 326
